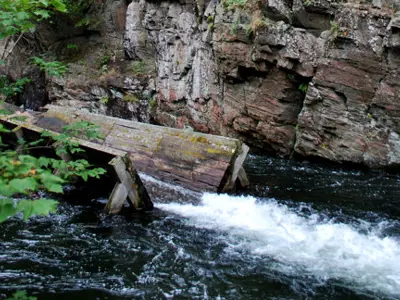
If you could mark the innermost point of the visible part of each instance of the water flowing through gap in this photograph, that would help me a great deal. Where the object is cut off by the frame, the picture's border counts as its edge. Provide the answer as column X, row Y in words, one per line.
column 303, row 231
column 361, row 256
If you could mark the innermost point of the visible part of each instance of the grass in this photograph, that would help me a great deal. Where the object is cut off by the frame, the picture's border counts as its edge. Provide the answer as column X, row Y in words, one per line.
column 131, row 98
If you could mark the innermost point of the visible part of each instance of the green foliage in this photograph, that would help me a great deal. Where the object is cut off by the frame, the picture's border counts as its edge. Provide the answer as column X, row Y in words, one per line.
column 210, row 19
column 104, row 100
column 22, row 174
column 72, row 46
column 21, row 295
column 303, row 87
column 52, row 68
column 78, row 12
column 7, row 209
column 234, row 27
column 152, row 103
column 64, row 143
column 40, row 207
column 105, row 59
column 11, row 89
column 308, row 2
column 139, row 67
column 131, row 98
column 18, row 16
column 334, row 29
column 231, row 4
column 249, row 31
column 83, row 128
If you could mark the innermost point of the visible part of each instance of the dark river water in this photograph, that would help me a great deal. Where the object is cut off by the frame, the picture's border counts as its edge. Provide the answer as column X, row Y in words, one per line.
column 302, row 231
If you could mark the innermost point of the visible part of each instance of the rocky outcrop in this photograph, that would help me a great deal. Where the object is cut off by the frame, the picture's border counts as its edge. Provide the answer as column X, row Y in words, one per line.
column 304, row 77
column 351, row 110
column 315, row 78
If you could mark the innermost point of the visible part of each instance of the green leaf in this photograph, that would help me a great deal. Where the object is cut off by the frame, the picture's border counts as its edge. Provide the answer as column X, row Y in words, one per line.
column 23, row 185
column 22, row 15
column 3, row 129
column 52, row 183
column 21, row 295
column 44, row 2
column 44, row 14
column 46, row 133
column 36, row 208
column 44, row 161
column 59, row 5
column 4, row 111
column 7, row 209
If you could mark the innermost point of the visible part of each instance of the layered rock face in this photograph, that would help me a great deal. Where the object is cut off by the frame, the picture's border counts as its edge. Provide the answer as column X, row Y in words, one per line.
column 317, row 78
column 314, row 78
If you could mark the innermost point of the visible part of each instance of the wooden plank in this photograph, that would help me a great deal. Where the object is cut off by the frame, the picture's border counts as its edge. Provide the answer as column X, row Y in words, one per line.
column 128, row 176
column 242, row 179
column 116, row 199
column 237, row 165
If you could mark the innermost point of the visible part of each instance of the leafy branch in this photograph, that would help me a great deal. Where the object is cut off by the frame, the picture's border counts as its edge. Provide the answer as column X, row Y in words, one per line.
column 19, row 16
column 23, row 174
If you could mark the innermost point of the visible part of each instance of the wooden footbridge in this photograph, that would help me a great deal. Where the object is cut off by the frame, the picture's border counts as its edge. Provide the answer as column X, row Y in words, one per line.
column 197, row 161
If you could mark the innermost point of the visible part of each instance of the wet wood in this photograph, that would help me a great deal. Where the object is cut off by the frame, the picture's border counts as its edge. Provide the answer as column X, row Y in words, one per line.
column 117, row 199
column 20, row 137
column 197, row 161
column 243, row 180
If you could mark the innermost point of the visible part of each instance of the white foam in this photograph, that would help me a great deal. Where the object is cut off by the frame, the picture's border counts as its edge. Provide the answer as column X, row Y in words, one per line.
column 322, row 248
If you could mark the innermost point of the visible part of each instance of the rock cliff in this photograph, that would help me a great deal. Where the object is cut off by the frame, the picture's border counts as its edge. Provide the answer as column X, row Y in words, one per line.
column 314, row 78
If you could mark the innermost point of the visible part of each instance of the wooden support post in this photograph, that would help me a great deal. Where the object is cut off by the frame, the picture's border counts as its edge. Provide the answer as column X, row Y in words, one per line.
column 242, row 180
column 137, row 194
column 237, row 165
column 20, row 137
column 117, row 199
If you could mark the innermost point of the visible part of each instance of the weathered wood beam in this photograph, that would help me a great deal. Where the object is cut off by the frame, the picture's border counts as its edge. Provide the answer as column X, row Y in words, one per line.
column 201, row 162
column 116, row 200
column 237, row 163
column 242, row 179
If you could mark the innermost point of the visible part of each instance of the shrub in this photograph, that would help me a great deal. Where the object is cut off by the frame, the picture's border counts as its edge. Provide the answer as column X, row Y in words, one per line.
column 52, row 68
column 23, row 174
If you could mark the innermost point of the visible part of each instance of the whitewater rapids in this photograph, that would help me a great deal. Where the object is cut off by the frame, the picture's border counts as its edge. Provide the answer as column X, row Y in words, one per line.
column 360, row 256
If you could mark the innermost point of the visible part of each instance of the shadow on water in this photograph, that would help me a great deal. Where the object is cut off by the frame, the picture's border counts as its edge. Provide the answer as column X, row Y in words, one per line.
column 183, row 252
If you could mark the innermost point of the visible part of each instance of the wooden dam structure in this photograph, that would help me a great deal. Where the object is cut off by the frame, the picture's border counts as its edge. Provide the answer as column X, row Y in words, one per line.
column 197, row 161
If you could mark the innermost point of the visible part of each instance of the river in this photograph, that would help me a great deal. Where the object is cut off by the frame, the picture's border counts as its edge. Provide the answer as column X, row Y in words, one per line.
column 302, row 231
